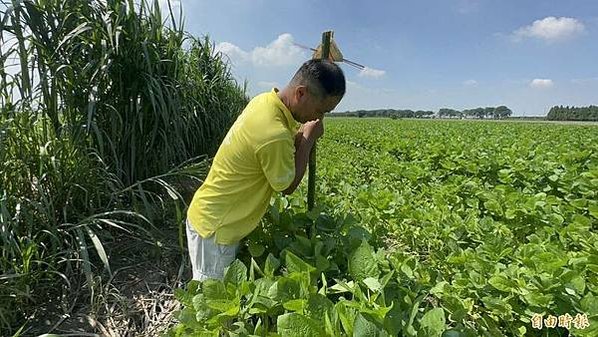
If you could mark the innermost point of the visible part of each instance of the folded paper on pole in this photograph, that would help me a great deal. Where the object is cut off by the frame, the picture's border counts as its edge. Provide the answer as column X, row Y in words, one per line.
column 335, row 53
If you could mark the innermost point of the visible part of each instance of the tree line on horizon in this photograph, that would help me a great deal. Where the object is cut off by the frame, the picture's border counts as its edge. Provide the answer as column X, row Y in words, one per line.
column 556, row 113
column 561, row 113
column 499, row 112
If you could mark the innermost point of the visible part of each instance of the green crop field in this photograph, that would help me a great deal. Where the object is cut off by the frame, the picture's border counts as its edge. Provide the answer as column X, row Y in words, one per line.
column 423, row 228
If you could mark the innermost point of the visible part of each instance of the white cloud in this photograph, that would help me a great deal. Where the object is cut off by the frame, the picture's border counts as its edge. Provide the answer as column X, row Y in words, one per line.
column 280, row 52
column 354, row 85
column 371, row 72
column 470, row 83
column 540, row 83
column 233, row 52
column 551, row 29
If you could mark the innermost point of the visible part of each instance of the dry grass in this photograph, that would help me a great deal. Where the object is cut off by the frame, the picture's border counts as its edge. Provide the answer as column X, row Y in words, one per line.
column 137, row 300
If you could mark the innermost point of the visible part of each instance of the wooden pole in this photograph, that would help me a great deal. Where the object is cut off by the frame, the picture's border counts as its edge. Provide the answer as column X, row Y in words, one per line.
column 311, row 181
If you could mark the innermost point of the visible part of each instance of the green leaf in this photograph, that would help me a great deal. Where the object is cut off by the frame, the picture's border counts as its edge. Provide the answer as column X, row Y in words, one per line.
column 262, row 286
column 555, row 219
column 227, row 307
column 271, row 265
column 493, row 206
column 256, row 250
column 538, row 299
column 406, row 269
column 202, row 311
column 236, row 273
column 362, row 262
column 359, row 233
column 455, row 306
column 295, row 265
column 342, row 287
column 188, row 317
column 377, row 313
column 372, row 284
column 214, row 290
column 322, row 263
column 579, row 203
column 366, row 326
column 438, row 288
column 183, row 296
column 578, row 284
column 318, row 306
column 498, row 306
column 582, row 220
column 433, row 322
column 589, row 304
column 501, row 283
column 331, row 329
column 97, row 243
column 302, row 246
column 296, row 325
column 347, row 316
column 295, row 305
column 511, row 213
column 325, row 223
column 393, row 320
column 284, row 289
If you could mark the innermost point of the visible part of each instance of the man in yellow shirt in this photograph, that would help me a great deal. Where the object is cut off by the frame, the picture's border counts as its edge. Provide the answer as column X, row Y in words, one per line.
column 264, row 151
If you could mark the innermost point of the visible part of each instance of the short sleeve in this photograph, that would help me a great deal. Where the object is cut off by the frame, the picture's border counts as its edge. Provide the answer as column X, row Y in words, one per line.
column 277, row 159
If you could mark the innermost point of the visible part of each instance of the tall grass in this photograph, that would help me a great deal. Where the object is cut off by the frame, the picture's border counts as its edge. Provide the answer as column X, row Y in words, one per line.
column 104, row 110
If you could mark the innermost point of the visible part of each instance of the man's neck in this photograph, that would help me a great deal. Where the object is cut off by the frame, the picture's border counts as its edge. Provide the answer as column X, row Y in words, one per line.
column 285, row 97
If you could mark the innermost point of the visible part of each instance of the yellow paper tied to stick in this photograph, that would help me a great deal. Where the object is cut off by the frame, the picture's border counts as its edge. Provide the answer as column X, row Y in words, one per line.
column 335, row 53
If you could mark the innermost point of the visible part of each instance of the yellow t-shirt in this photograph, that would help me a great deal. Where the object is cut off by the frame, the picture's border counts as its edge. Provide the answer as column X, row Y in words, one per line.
column 256, row 157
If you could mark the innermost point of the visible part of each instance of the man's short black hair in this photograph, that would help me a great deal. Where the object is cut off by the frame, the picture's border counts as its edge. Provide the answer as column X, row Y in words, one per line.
column 327, row 76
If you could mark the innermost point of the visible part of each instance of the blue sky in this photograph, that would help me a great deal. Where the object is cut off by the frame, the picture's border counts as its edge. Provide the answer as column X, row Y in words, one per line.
column 528, row 55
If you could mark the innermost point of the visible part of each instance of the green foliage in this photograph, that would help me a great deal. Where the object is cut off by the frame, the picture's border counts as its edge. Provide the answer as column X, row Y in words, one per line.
column 561, row 113
column 105, row 113
column 295, row 302
column 431, row 228
column 362, row 263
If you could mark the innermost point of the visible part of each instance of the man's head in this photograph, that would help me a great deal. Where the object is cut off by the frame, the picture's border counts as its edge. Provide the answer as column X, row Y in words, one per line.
column 317, row 87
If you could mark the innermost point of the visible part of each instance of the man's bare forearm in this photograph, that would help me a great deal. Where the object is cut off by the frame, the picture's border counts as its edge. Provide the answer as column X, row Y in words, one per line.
column 303, row 147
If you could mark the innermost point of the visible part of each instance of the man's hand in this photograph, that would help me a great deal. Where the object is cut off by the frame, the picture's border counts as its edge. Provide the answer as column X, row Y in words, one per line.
column 304, row 141
column 313, row 130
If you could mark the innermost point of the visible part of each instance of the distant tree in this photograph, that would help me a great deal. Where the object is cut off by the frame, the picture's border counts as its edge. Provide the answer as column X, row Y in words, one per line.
column 445, row 112
column 479, row 112
column 502, row 112
column 488, row 112
column 560, row 113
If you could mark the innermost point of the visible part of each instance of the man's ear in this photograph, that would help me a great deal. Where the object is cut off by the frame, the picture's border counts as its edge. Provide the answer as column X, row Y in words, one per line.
column 300, row 92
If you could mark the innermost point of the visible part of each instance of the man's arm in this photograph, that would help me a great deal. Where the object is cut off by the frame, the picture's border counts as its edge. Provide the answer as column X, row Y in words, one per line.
column 304, row 141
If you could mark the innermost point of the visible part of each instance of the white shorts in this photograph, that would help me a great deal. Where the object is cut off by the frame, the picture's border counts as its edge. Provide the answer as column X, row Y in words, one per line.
column 208, row 259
